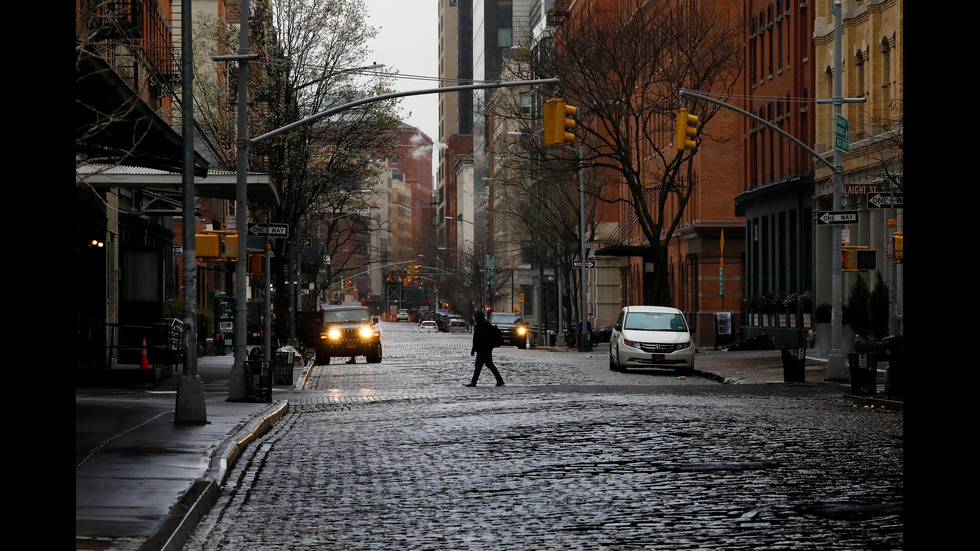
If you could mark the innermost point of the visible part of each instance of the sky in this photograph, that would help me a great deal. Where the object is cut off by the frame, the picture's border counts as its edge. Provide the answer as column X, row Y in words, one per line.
column 408, row 41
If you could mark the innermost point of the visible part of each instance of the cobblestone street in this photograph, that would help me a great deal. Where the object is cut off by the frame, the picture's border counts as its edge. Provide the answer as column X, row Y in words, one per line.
column 568, row 455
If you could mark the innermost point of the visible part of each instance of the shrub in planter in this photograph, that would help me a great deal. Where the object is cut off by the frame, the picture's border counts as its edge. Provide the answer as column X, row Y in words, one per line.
column 878, row 308
column 859, row 308
column 822, row 313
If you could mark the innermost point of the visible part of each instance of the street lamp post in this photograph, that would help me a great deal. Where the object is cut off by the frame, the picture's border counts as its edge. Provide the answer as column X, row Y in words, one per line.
column 483, row 261
column 584, row 340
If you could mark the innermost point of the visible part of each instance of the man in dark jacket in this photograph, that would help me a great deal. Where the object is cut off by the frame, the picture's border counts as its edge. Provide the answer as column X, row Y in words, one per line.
column 483, row 349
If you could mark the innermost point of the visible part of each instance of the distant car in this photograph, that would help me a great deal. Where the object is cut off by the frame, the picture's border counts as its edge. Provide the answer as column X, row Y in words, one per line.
column 428, row 327
column 457, row 325
column 651, row 336
column 512, row 327
column 402, row 315
column 448, row 320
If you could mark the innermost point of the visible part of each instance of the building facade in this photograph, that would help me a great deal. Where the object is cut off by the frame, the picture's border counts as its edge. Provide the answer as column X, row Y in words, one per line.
column 872, row 47
column 777, row 198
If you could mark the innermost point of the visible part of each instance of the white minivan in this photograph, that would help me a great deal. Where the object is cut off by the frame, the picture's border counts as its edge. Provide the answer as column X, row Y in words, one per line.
column 651, row 336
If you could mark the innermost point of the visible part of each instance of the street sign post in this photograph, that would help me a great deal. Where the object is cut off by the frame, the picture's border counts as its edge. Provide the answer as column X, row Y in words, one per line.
column 830, row 217
column 885, row 201
column 840, row 133
column 269, row 230
column 578, row 264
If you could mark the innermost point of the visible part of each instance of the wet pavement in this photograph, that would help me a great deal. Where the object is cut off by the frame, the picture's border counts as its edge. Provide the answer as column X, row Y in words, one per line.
column 149, row 485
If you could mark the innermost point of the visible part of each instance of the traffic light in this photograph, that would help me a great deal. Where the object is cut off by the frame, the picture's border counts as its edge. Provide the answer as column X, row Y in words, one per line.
column 255, row 262
column 557, row 125
column 687, row 130
column 522, row 298
column 857, row 259
column 897, row 247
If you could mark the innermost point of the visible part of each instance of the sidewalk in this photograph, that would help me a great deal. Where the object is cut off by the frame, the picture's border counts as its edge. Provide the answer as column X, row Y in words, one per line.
column 148, row 488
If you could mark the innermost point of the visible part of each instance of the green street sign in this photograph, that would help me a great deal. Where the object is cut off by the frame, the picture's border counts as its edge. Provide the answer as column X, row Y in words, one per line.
column 840, row 134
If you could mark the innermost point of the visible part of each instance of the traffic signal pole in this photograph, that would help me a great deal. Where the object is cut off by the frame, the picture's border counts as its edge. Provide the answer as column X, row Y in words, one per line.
column 835, row 363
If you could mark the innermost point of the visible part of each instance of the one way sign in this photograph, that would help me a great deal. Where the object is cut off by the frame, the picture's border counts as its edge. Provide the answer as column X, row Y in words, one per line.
column 837, row 217
column 885, row 201
column 270, row 230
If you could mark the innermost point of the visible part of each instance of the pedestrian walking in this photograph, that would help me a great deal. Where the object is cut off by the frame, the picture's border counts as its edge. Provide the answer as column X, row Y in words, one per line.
column 484, row 341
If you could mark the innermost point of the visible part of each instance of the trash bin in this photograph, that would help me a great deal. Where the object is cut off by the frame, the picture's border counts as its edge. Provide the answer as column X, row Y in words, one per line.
column 258, row 381
column 794, row 365
column 283, row 367
column 864, row 374
column 895, row 345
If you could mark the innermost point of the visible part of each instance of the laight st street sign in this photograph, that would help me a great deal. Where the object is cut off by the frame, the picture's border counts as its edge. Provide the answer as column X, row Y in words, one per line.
column 837, row 217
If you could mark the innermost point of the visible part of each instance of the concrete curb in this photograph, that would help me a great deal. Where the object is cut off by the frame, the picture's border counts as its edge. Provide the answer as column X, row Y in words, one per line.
column 174, row 530
column 224, row 458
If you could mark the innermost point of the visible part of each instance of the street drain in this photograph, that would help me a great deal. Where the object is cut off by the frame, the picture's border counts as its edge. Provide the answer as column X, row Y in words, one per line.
column 850, row 511
column 721, row 466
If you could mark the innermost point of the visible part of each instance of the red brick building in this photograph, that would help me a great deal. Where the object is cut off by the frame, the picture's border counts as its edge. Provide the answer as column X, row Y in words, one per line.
column 709, row 237
column 777, row 199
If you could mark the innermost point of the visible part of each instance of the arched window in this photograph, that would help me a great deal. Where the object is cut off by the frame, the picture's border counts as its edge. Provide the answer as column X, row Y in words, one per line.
column 860, row 91
column 885, row 113
column 779, row 37
column 770, row 46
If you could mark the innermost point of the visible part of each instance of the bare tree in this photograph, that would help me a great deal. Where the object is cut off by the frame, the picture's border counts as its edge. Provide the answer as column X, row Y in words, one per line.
column 623, row 72
column 312, row 57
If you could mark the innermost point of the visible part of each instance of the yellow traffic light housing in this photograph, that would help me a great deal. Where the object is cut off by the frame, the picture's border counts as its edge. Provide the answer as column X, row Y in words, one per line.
column 898, row 247
column 687, row 130
column 557, row 124
column 255, row 262
column 231, row 246
column 207, row 245
column 857, row 259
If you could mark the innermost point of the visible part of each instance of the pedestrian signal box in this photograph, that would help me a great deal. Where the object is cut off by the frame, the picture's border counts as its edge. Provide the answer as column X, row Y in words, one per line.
column 255, row 264
column 898, row 247
column 231, row 246
column 857, row 259
column 207, row 245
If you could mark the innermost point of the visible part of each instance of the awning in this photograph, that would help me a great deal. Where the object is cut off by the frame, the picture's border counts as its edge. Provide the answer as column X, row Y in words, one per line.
column 217, row 184
column 625, row 250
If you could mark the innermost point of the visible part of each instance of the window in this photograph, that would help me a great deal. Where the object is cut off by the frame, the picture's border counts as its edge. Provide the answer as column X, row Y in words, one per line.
column 525, row 103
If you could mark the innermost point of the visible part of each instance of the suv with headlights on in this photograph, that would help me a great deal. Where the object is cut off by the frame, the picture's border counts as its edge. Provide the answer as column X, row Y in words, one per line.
column 348, row 331
column 512, row 327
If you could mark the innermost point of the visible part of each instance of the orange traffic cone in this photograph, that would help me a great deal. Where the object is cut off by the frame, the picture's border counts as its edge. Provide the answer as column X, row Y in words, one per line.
column 144, row 363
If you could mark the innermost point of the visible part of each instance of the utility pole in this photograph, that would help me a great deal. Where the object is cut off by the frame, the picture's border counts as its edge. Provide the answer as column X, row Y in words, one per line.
column 237, row 389
column 190, row 406
column 835, row 362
